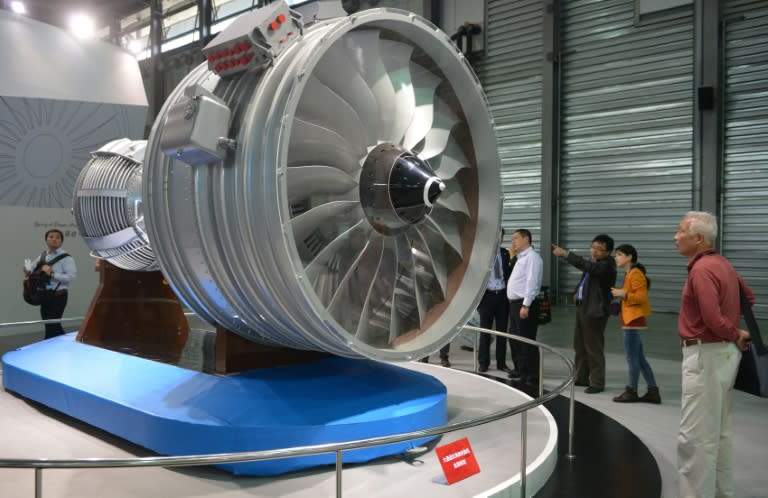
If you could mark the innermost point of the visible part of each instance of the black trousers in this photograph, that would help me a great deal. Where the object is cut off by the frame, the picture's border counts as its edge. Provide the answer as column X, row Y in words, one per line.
column 527, row 355
column 494, row 307
column 444, row 352
column 54, row 309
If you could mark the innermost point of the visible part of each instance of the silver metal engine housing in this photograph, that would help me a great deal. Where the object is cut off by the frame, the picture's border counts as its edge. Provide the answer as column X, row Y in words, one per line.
column 265, row 235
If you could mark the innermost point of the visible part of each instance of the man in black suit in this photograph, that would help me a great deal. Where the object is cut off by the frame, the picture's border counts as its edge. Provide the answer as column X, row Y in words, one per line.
column 495, row 307
column 592, row 298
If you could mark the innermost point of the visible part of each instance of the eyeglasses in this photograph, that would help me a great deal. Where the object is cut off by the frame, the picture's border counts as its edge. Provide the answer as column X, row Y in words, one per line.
column 598, row 248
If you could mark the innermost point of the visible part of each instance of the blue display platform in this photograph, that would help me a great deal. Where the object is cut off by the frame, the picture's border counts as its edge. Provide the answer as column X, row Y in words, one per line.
column 174, row 411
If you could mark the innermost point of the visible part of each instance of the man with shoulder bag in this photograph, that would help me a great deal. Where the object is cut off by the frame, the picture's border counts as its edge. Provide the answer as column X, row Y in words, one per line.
column 48, row 279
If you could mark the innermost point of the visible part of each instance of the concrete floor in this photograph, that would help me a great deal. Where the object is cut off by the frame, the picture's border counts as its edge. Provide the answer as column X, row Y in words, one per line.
column 657, row 425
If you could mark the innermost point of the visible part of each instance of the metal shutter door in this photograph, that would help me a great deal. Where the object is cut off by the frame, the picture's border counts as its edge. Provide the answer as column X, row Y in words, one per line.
column 511, row 77
column 745, row 163
column 626, row 138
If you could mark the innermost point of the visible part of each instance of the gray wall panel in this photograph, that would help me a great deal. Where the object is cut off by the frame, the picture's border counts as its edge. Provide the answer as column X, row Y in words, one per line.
column 745, row 144
column 626, row 146
column 511, row 77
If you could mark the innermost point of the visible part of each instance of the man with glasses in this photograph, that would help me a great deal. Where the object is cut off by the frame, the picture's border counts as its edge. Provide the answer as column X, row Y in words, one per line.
column 522, row 288
column 592, row 298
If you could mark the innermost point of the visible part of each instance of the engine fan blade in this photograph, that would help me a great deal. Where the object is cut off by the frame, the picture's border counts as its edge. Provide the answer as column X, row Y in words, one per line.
column 453, row 198
column 306, row 181
column 410, row 278
column 430, row 257
column 447, row 164
column 436, row 140
column 375, row 315
column 407, row 309
column 314, row 229
column 363, row 50
column 336, row 260
column 320, row 104
column 348, row 301
column 396, row 57
column 311, row 144
column 443, row 222
column 424, row 85
column 343, row 79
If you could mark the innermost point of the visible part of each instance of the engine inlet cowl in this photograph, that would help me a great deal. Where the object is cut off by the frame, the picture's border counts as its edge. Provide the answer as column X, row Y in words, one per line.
column 275, row 239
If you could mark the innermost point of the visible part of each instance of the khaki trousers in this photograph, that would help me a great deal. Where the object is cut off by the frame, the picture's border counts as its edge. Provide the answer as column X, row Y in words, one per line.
column 704, row 449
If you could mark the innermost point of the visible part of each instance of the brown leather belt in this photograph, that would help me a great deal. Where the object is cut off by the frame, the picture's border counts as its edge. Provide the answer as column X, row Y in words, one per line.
column 684, row 343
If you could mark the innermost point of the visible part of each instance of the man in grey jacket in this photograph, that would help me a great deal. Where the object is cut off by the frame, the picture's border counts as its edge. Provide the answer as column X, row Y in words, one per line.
column 592, row 298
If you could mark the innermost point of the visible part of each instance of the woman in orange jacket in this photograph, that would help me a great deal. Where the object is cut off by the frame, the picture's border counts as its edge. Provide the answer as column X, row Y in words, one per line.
column 634, row 308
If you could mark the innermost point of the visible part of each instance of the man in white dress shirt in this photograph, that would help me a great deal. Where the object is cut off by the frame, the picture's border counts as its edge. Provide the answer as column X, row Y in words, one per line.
column 522, row 288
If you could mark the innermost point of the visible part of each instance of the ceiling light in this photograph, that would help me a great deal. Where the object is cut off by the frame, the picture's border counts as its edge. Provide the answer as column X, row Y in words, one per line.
column 81, row 25
column 18, row 7
column 135, row 46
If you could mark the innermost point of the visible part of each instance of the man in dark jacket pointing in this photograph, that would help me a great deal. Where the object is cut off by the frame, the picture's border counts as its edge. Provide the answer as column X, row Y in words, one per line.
column 592, row 298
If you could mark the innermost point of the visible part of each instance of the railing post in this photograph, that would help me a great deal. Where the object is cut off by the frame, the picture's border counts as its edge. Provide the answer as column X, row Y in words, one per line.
column 38, row 482
column 338, row 473
column 541, row 370
column 523, row 450
column 571, row 407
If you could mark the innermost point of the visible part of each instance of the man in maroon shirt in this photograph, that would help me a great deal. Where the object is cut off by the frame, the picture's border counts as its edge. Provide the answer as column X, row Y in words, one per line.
column 712, row 344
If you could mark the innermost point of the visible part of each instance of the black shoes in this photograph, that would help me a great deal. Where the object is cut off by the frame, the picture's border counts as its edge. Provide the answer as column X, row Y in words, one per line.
column 652, row 396
column 594, row 390
column 514, row 374
column 628, row 396
column 467, row 348
column 444, row 362
column 482, row 368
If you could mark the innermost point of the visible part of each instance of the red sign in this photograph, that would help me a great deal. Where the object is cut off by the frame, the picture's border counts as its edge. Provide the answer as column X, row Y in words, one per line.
column 457, row 460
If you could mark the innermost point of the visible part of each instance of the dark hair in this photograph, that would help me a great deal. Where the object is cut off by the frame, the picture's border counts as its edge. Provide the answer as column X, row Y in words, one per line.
column 629, row 251
column 54, row 230
column 632, row 252
column 502, row 232
column 604, row 239
column 525, row 233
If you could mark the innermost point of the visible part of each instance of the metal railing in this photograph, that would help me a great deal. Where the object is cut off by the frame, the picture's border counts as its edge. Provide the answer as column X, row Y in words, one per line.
column 72, row 319
column 42, row 322
column 338, row 448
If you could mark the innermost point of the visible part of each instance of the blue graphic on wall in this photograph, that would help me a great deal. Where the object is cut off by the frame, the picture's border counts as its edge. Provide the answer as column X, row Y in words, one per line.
column 45, row 143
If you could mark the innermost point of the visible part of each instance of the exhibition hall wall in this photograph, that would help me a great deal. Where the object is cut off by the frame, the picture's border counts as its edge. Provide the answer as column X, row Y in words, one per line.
column 63, row 99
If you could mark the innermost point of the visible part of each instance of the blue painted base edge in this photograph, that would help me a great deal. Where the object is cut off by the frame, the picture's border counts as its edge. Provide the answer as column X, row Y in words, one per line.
column 174, row 411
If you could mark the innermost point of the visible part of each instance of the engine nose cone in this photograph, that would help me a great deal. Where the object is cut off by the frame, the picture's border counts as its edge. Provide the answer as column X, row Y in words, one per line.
column 432, row 190
column 397, row 188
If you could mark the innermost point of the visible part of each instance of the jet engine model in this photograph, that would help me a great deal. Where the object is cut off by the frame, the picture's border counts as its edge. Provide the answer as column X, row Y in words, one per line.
column 330, row 187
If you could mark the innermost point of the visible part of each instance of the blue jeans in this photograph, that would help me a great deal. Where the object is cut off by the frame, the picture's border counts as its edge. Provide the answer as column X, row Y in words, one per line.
column 633, row 346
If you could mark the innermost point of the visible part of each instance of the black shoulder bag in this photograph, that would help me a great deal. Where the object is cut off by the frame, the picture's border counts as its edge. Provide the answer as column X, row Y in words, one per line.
column 36, row 291
column 752, row 376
